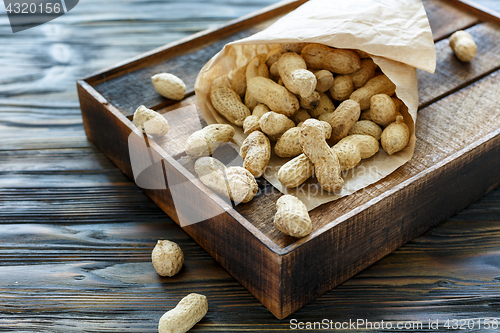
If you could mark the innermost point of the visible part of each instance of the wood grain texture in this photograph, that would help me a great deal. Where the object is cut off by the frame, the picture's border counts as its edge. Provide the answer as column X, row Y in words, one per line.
column 445, row 18
column 76, row 241
column 98, row 277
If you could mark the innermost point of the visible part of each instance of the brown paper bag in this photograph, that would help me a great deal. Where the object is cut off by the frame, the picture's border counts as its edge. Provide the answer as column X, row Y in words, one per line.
column 396, row 33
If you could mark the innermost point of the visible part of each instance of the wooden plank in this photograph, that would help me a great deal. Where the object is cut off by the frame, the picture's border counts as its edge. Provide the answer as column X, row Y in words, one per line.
column 114, row 203
column 445, row 18
column 46, row 160
column 120, row 289
column 481, row 9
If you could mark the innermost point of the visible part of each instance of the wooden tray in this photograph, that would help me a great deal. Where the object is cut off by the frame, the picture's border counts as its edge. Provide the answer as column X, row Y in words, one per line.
column 456, row 161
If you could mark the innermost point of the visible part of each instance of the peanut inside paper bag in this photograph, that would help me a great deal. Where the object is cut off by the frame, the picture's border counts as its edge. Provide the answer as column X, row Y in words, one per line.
column 397, row 35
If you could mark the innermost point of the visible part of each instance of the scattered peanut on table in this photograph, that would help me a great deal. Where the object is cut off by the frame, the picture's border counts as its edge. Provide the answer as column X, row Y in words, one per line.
column 189, row 311
column 167, row 258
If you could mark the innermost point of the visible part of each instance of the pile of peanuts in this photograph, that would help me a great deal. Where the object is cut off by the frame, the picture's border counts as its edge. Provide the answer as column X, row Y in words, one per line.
column 326, row 107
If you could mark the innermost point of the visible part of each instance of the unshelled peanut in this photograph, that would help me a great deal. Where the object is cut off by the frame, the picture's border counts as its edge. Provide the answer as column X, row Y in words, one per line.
column 251, row 124
column 296, row 171
column 324, row 79
column 273, row 56
column 189, row 311
column 256, row 152
column 236, row 183
column 365, row 73
column 150, row 122
column 238, row 81
column 397, row 103
column 242, row 184
column 340, row 61
column 257, row 67
column 365, row 115
column 260, row 110
column 310, row 102
column 292, row 217
column 169, row 86
column 275, row 124
column 212, row 174
column 380, row 84
column 292, row 47
column 342, row 87
column 274, row 73
column 250, row 101
column 326, row 162
column 463, row 45
column 228, row 104
column 342, row 119
column 167, row 258
column 353, row 148
column 276, row 97
column 288, row 144
column 325, row 105
column 300, row 116
column 366, row 127
column 382, row 109
column 395, row 137
column 204, row 142
column 296, row 78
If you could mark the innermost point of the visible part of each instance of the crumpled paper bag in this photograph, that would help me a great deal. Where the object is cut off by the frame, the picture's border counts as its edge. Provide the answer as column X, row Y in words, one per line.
column 396, row 33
